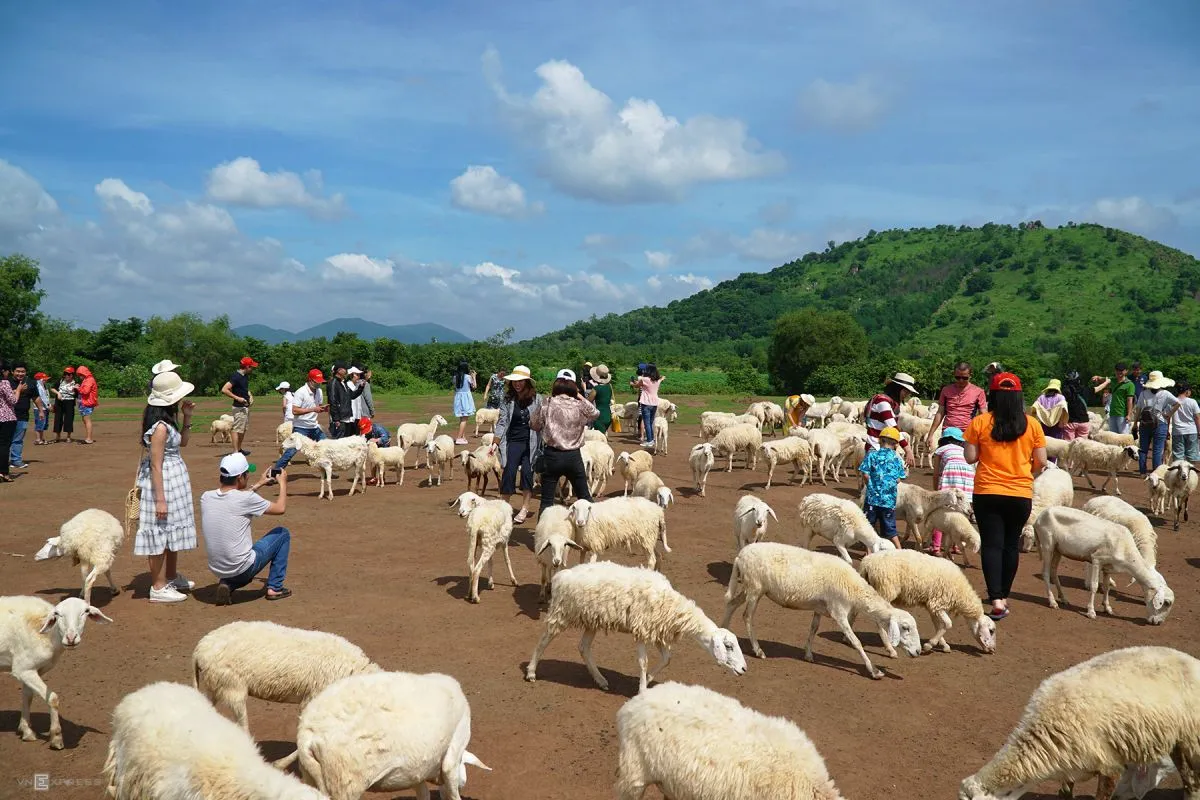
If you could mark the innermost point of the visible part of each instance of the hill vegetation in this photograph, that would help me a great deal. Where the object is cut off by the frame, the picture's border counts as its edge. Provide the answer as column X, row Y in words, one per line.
column 418, row 333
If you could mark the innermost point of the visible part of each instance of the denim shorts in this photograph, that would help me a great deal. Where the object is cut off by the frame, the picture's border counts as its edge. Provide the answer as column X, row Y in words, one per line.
column 1185, row 446
column 885, row 518
column 86, row 411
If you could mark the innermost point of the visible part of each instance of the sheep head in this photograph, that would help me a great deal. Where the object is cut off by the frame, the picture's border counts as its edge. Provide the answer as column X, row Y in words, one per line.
column 902, row 631
column 724, row 647
column 50, row 549
column 952, row 500
column 1130, row 452
column 67, row 619
column 665, row 498
column 984, row 631
column 972, row 789
column 580, row 511
column 1159, row 599
column 557, row 546
column 466, row 502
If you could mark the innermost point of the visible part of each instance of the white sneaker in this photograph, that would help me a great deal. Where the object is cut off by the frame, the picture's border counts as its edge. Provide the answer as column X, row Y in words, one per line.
column 167, row 594
column 182, row 584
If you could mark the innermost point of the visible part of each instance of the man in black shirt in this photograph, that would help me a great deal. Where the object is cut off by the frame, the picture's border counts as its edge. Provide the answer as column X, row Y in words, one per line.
column 237, row 389
column 30, row 397
column 341, row 412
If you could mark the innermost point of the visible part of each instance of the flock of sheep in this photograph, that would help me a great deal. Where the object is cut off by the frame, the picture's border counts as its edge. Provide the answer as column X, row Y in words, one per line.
column 362, row 728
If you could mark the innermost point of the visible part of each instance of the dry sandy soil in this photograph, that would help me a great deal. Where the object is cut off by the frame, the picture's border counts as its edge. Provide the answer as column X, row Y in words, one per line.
column 387, row 570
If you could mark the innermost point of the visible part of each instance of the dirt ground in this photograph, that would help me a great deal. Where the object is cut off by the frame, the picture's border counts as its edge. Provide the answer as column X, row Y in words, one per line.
column 387, row 571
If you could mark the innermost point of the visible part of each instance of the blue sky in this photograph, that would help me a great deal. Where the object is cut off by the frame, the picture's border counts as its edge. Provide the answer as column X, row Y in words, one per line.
column 528, row 164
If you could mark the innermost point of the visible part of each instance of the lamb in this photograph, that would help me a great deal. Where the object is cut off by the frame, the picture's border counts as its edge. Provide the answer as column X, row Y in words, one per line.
column 593, row 435
column 1114, row 509
column 750, row 521
column 634, row 464
column 1113, row 438
column 1158, row 489
column 796, row 578
column 956, row 529
column 908, row 578
column 221, row 428
column 168, row 742
column 1107, row 547
column 387, row 732
column 489, row 525
column 329, row 454
column 33, row 634
column 418, row 433
column 840, row 521
column 852, row 449
column 270, row 662
column 629, row 522
column 284, row 430
column 481, row 464
column 439, row 452
column 701, row 460
column 91, row 538
column 599, row 463
column 820, row 411
column 735, row 438
column 1135, row 705
column 610, row 597
column 380, row 458
column 488, row 439
column 1053, row 487
column 789, row 450
column 551, row 538
column 713, row 422
column 661, row 435
column 486, row 416
column 667, row 410
column 1084, row 456
column 1056, row 448
column 679, row 738
column 651, row 487
column 918, row 429
column 827, row 449
column 1181, row 483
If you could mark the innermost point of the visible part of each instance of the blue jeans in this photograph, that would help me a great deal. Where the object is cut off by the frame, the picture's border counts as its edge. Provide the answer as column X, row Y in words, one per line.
column 316, row 434
column 17, row 450
column 648, row 413
column 1185, row 447
column 271, row 549
column 1118, row 424
column 885, row 519
column 1147, row 434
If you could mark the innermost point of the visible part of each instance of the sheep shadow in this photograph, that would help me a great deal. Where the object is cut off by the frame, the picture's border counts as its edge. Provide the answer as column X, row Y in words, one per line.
column 687, row 491
column 526, row 596
column 101, row 595
column 575, row 675
column 795, row 652
column 1193, row 562
column 720, row 571
column 73, row 733
column 457, row 586
column 522, row 536
column 273, row 750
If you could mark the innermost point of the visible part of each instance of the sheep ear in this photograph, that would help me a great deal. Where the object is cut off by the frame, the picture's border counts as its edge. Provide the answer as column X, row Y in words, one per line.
column 894, row 633
column 49, row 621
column 771, row 511
column 571, row 543
column 542, row 549
column 1159, row 601
column 98, row 615
column 453, row 502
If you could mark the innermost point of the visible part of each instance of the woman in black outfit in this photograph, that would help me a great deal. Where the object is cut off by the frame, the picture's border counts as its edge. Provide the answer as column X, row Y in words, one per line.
column 518, row 445
column 64, row 404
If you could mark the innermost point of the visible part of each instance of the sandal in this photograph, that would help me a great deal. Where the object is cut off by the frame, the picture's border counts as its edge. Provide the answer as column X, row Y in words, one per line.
column 521, row 516
column 6, row 479
column 997, row 615
column 281, row 594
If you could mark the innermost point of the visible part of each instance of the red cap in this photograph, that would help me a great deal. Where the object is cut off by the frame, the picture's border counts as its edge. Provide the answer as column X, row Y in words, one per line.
column 249, row 362
column 364, row 426
column 40, row 376
column 315, row 376
column 69, row 369
column 1005, row 382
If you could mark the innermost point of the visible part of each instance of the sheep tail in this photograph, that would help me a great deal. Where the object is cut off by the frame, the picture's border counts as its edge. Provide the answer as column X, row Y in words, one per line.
column 733, row 591
column 470, row 550
column 195, row 674
column 662, row 534
column 287, row 761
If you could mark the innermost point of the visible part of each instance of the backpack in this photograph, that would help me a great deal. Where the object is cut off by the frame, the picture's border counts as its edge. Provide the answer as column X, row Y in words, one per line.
column 1076, row 405
column 1148, row 416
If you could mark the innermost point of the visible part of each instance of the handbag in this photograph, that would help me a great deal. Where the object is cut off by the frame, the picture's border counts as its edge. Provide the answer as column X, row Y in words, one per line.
column 133, row 506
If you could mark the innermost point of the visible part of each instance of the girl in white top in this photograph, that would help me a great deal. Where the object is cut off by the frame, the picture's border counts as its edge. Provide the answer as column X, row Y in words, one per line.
column 289, row 400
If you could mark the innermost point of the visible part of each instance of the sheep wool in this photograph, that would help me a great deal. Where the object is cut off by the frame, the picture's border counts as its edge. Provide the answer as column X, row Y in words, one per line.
column 92, row 538
column 551, row 539
column 652, row 488
column 789, row 450
column 1054, row 487
column 744, row 437
column 633, row 523
column 329, row 454
column 701, row 460
column 839, row 520
column 489, row 526
column 416, row 434
column 380, row 458
column 599, row 462
column 486, row 416
column 1114, row 509
column 634, row 464
column 1085, row 456
column 956, row 529
column 750, row 521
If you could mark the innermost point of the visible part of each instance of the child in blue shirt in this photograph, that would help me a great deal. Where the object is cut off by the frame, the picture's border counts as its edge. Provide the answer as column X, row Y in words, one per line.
column 884, row 469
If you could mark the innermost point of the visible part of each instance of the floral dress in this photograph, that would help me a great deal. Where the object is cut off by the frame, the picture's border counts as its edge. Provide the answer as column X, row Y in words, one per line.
column 178, row 531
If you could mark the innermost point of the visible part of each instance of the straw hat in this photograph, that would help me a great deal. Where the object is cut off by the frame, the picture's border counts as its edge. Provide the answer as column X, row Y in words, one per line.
column 1157, row 381
column 167, row 389
column 905, row 381
column 519, row 373
column 600, row 374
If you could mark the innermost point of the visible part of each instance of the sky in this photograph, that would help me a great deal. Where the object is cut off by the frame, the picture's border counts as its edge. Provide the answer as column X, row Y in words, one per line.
column 485, row 165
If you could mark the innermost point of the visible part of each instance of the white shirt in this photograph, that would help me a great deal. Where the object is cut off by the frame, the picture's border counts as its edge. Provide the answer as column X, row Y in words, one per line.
column 1185, row 418
column 358, row 404
column 288, row 400
column 225, row 517
column 306, row 398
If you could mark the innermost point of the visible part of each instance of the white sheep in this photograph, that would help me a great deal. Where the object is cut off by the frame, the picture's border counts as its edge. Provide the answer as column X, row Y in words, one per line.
column 282, row 431
column 744, row 438
column 695, row 744
column 701, row 460
column 758, row 410
column 33, row 634
column 1181, row 482
column 387, row 732
column 551, row 539
column 1053, row 487
column 956, row 529
column 222, row 429
column 713, row 422
column 1084, row 456
column 827, row 450
column 593, row 435
column 662, row 434
column 489, row 526
column 775, row 419
column 329, row 454
column 486, row 416
column 599, row 462
column 750, row 521
column 481, row 464
column 852, row 451
column 416, row 434
column 651, row 487
column 1105, row 547
column 795, row 578
column 632, row 523
column 788, row 450
column 380, row 458
column 169, row 743
column 91, row 538
column 1057, row 448
column 667, row 409
column 820, row 411
column 908, row 578
column 1113, row 438
column 439, row 451
column 487, row 439
column 1135, row 705
column 839, row 520
column 1156, row 480
column 1114, row 509
column 632, row 465
column 610, row 597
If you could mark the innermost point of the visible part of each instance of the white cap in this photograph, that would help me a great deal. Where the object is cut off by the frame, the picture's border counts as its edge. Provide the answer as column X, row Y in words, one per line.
column 565, row 373
column 233, row 465
column 354, row 371
column 283, row 385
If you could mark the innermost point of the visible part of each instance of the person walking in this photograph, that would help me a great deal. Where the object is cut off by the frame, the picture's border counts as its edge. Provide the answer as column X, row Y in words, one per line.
column 64, row 404
column 958, row 403
column 562, row 420
column 1007, row 446
column 601, row 397
column 495, row 390
column 1078, row 425
column 950, row 471
column 519, row 445
column 464, row 401
column 167, row 524
column 9, row 397
column 1153, row 411
column 1050, row 409
column 647, row 385
column 883, row 411
column 89, row 398
column 19, row 374
column 237, row 389
column 1185, row 422
column 1121, row 397
column 41, row 419
column 883, row 471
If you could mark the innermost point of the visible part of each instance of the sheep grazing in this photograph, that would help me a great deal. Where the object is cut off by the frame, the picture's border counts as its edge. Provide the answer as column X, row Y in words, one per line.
column 486, row 416
column 270, row 662
column 795, row 578
column 956, row 529
column 91, row 538
column 551, row 538
column 599, row 461
column 220, row 429
column 387, row 732
column 1136, row 705
column 840, row 521
column 634, row 464
column 481, row 464
column 914, row 502
column 775, row 419
column 612, row 598
column 489, row 526
column 1054, row 487
column 851, row 451
column 1181, row 482
column 909, row 579
column 662, row 433
column 789, row 450
column 380, row 458
column 683, row 738
column 1106, row 547
column 1085, row 456
column 745, row 438
column 1159, row 494
column 750, row 521
column 1114, row 509
column 439, row 452
column 651, row 487
column 168, row 742
column 632, row 523
column 820, row 412
column 33, row 634
column 416, row 434
column 1109, row 437
column 701, row 460
column 330, row 454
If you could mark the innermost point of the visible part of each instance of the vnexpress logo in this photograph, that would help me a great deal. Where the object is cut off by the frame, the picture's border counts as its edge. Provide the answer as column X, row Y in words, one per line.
column 41, row 782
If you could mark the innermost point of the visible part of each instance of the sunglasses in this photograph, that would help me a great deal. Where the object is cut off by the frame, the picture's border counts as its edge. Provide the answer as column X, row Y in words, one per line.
column 962, row 377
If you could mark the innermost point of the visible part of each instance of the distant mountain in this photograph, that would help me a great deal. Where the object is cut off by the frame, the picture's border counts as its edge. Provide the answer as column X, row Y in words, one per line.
column 420, row 333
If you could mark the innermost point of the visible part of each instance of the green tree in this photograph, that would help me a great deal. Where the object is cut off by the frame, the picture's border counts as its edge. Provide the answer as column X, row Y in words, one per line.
column 19, row 302
column 805, row 340
column 208, row 352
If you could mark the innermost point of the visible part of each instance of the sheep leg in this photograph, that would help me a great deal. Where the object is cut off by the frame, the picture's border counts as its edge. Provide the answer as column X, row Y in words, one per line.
column 883, row 637
column 664, row 658
column 1092, row 577
column 422, row 790
column 748, row 616
column 643, row 662
column 23, row 728
column 585, row 650
column 508, row 563
column 848, row 632
column 89, row 578
column 1186, row 757
column 1049, row 563
column 770, row 473
column 941, row 624
column 812, row 634
column 730, row 467
column 31, row 684
column 476, row 568
column 112, row 585
column 547, row 637
column 845, row 554
column 1108, row 584
column 491, row 580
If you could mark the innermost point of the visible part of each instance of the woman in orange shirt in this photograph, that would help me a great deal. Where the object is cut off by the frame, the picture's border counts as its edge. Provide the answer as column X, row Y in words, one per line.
column 1007, row 446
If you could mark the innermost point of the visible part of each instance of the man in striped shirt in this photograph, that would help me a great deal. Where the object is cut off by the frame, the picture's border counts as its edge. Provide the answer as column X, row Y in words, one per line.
column 883, row 411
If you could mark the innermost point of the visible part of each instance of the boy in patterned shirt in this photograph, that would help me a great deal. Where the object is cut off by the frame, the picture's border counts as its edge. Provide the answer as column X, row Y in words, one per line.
column 884, row 469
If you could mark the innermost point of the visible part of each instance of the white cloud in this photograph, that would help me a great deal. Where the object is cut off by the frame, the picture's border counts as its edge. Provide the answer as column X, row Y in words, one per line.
column 242, row 182
column 118, row 198
column 658, row 259
column 688, row 283
column 483, row 189
column 845, row 107
column 1132, row 212
column 348, row 266
column 22, row 201
column 589, row 148
column 600, row 241
column 772, row 245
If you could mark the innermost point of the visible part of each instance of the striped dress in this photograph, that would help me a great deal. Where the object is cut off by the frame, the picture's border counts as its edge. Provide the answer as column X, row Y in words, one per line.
column 178, row 532
column 956, row 474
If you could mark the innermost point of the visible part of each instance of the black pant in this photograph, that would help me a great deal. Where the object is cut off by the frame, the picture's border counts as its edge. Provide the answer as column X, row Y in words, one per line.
column 7, row 429
column 64, row 416
column 1000, row 519
column 559, row 464
column 517, row 456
